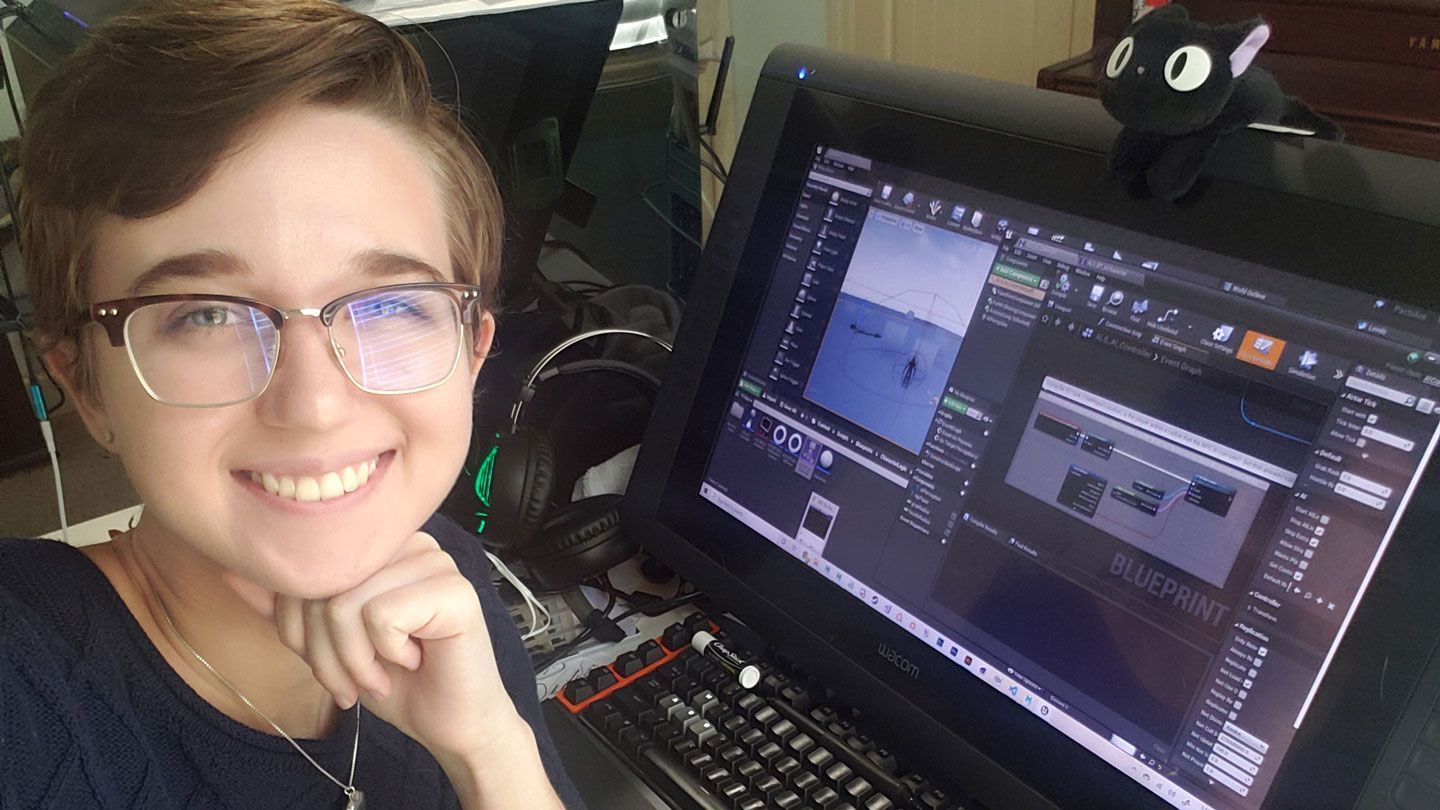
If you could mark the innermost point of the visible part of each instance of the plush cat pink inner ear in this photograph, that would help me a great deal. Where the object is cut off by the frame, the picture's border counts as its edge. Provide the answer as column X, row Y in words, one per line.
column 1242, row 56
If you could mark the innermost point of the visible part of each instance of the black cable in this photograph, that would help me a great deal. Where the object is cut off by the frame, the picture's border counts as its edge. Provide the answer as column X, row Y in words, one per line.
column 723, row 173
column 547, row 660
column 705, row 164
column 656, row 608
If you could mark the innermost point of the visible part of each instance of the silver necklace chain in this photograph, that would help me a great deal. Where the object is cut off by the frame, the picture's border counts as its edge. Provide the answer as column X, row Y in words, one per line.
column 350, row 789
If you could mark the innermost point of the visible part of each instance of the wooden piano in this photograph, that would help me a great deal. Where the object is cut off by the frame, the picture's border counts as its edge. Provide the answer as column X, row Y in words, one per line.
column 1373, row 66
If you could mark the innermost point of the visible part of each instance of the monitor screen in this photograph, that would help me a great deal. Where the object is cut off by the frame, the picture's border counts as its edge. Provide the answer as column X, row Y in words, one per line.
column 1137, row 487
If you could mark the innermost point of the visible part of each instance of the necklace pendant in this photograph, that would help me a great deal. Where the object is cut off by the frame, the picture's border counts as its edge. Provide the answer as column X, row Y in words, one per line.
column 354, row 799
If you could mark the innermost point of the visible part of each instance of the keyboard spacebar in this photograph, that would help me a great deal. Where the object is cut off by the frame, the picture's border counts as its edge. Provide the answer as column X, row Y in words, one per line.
column 674, row 778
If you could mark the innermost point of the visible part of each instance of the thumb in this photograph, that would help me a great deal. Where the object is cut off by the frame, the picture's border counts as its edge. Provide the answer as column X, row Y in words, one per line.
column 260, row 599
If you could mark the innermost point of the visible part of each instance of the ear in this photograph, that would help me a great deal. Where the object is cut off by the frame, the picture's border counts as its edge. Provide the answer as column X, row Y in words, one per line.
column 62, row 359
column 484, row 335
column 1244, row 53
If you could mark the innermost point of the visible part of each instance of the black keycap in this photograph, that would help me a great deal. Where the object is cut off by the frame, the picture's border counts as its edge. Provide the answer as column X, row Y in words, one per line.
column 707, row 704
column 765, row 717
column 628, row 664
column 734, row 790
column 934, row 799
column 748, row 768
column 752, row 738
column 649, row 652
column 600, row 678
column 766, row 785
column 823, row 715
column 860, row 742
column 796, row 696
column 683, row 747
column 715, row 775
column 751, row 803
column 859, row 787
column 631, row 703
column 768, row 752
column 697, row 664
column 800, row 743
column 698, row 760
column 650, row 687
column 805, row 783
column 697, row 621
column 676, row 636
column 733, row 725
column 824, row 797
column 732, row 754
column 578, row 691
column 785, row 799
column 631, row 740
column 820, row 757
column 839, row 774
column 878, row 801
column 782, row 730
column 883, row 759
column 770, row 685
column 786, row 768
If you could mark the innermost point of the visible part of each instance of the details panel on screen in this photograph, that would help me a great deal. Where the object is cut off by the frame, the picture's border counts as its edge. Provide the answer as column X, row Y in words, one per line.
column 1107, row 475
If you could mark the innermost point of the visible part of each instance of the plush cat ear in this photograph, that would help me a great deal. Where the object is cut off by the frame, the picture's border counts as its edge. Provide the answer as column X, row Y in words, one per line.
column 1244, row 53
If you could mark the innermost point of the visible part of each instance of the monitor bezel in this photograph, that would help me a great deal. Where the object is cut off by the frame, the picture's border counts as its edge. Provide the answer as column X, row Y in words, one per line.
column 1049, row 150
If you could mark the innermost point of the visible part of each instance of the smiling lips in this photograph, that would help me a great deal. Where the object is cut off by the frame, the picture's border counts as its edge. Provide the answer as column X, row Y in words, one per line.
column 305, row 488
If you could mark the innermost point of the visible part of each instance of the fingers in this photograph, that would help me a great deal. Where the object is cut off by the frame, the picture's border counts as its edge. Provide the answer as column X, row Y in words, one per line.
column 346, row 641
column 320, row 654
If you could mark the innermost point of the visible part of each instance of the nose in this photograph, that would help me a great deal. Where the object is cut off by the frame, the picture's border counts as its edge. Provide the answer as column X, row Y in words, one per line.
column 308, row 390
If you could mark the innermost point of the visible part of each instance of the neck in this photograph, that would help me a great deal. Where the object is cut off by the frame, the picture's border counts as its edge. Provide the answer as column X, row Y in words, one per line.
column 166, row 576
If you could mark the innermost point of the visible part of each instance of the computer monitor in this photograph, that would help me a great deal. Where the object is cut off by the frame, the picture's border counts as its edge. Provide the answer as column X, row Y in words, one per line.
column 1095, row 501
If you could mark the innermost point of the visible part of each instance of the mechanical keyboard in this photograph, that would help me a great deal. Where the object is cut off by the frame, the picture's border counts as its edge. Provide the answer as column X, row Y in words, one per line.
column 702, row 741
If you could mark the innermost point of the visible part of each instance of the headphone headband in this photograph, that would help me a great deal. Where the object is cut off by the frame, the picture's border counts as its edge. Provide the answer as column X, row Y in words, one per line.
column 528, row 388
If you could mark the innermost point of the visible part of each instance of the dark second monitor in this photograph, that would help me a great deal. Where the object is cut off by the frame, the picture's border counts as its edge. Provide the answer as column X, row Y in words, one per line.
column 1100, row 502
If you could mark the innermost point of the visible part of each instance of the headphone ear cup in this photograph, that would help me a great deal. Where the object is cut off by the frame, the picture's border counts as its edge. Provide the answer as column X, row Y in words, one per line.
column 579, row 540
column 521, row 485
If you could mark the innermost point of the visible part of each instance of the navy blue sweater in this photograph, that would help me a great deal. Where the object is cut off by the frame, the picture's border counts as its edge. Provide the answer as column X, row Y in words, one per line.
column 91, row 715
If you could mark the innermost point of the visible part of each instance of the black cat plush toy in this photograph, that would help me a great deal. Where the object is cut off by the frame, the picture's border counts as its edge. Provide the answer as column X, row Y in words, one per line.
column 1179, row 86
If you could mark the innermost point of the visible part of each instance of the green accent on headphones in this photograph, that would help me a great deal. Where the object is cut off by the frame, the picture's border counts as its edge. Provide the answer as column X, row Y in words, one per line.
column 484, row 477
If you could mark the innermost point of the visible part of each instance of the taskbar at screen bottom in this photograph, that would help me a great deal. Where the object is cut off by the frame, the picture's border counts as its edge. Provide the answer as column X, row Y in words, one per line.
column 1113, row 749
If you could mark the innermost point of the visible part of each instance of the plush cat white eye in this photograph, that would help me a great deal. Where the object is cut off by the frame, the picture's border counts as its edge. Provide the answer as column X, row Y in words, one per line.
column 1120, row 57
column 1187, row 68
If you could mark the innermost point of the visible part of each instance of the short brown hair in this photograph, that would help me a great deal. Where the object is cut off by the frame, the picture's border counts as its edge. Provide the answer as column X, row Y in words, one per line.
column 137, row 119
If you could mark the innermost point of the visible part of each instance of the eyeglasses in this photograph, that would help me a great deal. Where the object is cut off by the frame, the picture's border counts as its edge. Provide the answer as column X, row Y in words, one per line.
column 205, row 351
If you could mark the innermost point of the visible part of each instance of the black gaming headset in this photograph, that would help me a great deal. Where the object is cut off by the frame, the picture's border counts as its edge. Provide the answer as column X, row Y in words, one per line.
column 529, row 517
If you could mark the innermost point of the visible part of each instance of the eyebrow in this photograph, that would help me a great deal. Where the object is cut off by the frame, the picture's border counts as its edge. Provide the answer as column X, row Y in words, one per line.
column 199, row 264
column 213, row 263
column 384, row 263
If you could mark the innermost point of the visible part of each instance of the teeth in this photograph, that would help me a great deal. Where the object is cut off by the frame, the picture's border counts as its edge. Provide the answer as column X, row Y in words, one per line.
column 306, row 489
column 331, row 487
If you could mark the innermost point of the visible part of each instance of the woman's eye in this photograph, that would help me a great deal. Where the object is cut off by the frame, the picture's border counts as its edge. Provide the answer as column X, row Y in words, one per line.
column 210, row 317
column 394, row 307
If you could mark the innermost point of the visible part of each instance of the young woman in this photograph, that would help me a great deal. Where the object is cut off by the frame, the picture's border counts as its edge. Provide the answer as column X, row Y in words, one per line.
column 261, row 253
